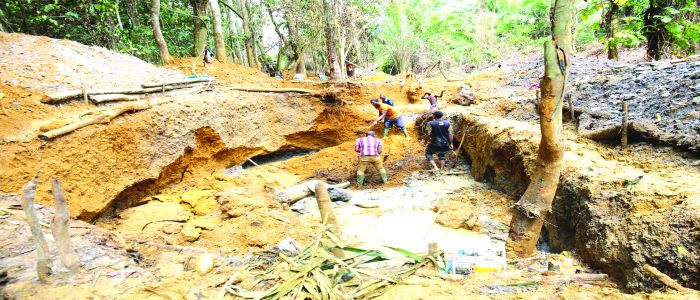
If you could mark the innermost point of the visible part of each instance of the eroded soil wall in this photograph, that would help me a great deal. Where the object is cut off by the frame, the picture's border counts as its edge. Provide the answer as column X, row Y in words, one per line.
column 165, row 145
column 615, row 228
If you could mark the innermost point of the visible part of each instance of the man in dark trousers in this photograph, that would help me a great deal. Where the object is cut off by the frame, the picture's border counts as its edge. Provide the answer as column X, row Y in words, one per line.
column 440, row 140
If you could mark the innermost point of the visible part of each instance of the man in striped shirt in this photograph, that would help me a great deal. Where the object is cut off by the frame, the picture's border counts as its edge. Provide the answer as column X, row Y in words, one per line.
column 369, row 147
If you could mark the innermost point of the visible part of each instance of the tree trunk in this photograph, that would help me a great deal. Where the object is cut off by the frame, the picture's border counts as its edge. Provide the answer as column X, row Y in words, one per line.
column 200, row 26
column 611, row 25
column 294, row 42
column 160, row 41
column 249, row 42
column 332, row 40
column 536, row 202
column 218, row 32
column 654, row 29
column 233, row 31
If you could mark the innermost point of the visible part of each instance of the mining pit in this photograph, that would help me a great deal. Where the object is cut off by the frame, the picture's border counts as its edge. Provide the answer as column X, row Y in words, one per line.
column 154, row 190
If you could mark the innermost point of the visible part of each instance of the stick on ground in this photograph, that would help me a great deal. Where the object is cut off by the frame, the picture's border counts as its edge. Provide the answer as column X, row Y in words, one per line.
column 59, row 228
column 43, row 263
column 327, row 213
column 668, row 281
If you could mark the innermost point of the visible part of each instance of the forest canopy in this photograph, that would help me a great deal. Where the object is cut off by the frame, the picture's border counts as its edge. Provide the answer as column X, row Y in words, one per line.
column 397, row 36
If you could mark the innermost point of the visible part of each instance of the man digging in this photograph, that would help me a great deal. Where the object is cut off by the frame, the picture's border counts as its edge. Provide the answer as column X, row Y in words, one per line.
column 391, row 116
column 433, row 99
column 369, row 147
column 440, row 140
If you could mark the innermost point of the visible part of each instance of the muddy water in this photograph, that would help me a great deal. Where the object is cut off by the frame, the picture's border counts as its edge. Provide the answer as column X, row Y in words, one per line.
column 405, row 218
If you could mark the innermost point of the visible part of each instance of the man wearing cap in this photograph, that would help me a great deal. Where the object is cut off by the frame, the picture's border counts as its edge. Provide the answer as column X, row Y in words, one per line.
column 369, row 147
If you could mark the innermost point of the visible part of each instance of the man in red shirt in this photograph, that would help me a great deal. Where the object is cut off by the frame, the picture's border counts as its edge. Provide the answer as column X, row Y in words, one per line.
column 369, row 147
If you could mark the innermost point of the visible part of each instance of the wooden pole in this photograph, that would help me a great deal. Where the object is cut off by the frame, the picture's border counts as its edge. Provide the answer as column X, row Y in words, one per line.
column 59, row 228
column 664, row 278
column 624, row 124
column 572, row 112
column 268, row 174
column 327, row 215
column 43, row 263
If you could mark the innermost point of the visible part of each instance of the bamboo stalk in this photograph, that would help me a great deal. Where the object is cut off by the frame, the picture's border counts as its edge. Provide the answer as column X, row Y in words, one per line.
column 43, row 263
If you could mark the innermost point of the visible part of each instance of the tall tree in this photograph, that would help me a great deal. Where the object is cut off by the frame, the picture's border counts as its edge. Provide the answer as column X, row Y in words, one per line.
column 611, row 26
column 295, row 42
column 654, row 29
column 160, row 41
column 248, row 41
column 218, row 31
column 536, row 202
column 200, row 25
column 332, row 39
column 236, row 49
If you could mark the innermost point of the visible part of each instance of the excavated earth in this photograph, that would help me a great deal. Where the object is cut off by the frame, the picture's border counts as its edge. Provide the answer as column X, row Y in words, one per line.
column 663, row 98
column 166, row 184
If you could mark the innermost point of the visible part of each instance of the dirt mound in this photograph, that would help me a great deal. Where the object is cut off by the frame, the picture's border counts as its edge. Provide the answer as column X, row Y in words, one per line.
column 619, row 209
column 49, row 65
column 663, row 97
column 225, row 72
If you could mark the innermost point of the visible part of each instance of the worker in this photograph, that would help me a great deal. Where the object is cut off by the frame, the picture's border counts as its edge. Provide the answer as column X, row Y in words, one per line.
column 432, row 98
column 369, row 147
column 440, row 140
column 386, row 100
column 391, row 116
column 350, row 69
column 208, row 56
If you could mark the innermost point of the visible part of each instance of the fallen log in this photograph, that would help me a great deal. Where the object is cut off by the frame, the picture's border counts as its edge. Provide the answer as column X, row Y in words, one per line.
column 327, row 215
column 665, row 279
column 273, row 90
column 103, row 117
column 43, row 262
column 177, row 82
column 112, row 97
column 67, row 95
column 302, row 190
column 59, row 228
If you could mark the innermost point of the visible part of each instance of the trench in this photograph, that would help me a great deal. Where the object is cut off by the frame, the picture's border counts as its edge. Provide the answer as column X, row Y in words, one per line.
column 493, row 154
column 596, row 224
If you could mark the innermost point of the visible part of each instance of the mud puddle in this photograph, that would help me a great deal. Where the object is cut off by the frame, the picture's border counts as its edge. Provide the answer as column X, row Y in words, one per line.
column 405, row 216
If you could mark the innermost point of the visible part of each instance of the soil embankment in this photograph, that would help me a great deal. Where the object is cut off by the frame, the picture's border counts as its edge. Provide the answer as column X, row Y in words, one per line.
column 619, row 209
